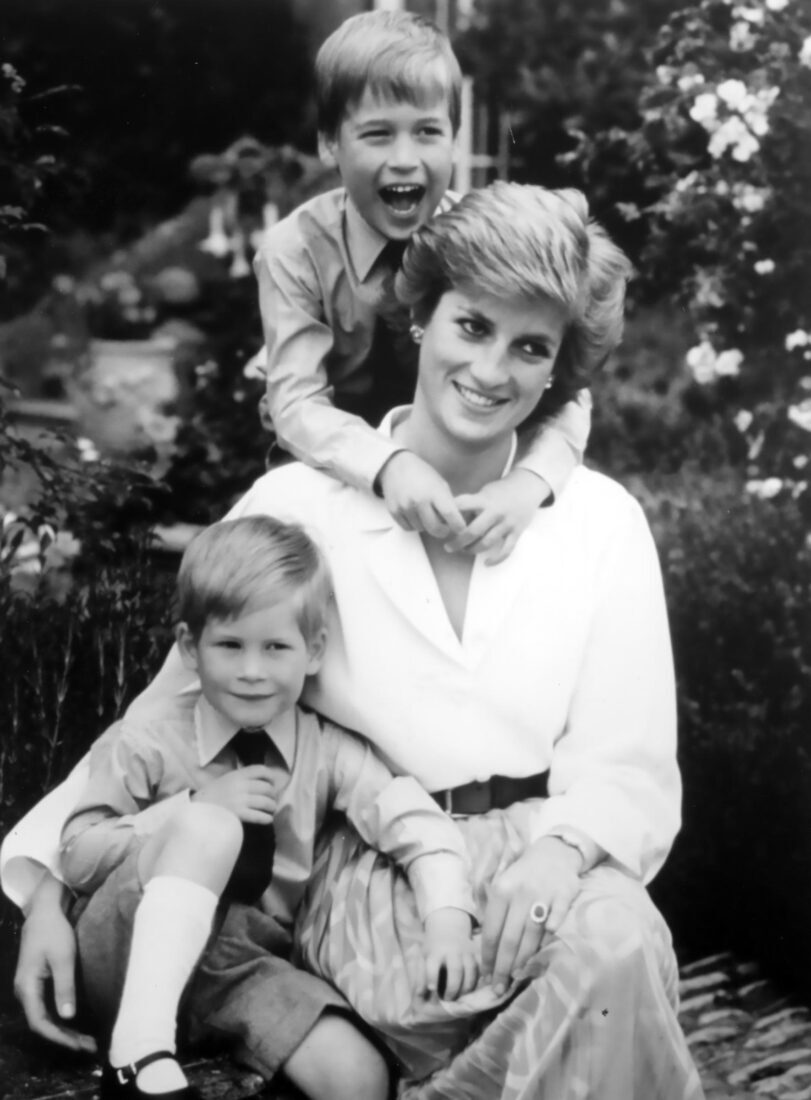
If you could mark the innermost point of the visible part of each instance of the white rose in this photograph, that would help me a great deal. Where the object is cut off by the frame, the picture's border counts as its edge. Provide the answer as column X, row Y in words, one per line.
column 805, row 52
column 764, row 267
column 776, row 5
column 801, row 414
column 728, row 363
column 705, row 109
column 701, row 362
column 743, row 420
column 796, row 339
column 765, row 489
column 733, row 93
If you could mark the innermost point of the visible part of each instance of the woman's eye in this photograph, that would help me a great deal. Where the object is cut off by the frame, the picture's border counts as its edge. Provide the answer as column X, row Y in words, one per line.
column 472, row 327
column 535, row 351
column 227, row 643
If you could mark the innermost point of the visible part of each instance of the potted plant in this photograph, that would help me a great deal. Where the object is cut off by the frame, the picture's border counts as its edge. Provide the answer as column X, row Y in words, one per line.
column 129, row 382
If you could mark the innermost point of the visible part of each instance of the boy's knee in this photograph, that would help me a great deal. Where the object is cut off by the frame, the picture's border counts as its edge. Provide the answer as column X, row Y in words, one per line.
column 337, row 1062
column 207, row 827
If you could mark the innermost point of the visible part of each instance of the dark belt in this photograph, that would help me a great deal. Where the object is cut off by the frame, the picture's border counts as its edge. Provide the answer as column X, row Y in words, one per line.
column 496, row 793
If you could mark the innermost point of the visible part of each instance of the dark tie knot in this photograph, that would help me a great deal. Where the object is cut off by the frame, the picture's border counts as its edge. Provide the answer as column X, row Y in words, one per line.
column 250, row 746
column 391, row 256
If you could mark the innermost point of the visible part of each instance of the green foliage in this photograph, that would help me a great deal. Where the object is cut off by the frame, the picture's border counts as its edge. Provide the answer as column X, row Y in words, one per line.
column 159, row 82
column 560, row 72
column 725, row 152
column 27, row 165
column 221, row 446
column 738, row 580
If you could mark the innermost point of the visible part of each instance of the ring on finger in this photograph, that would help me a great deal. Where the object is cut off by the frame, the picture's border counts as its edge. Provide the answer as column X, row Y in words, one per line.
column 539, row 913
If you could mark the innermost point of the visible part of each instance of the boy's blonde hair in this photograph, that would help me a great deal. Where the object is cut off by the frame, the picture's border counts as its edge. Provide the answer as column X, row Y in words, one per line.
column 523, row 242
column 395, row 54
column 242, row 564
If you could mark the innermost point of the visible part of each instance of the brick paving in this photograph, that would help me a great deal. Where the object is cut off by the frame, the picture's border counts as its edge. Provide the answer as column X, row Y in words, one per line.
column 750, row 1041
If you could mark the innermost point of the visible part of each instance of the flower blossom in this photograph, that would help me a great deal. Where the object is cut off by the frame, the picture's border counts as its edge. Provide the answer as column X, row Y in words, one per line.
column 776, row 5
column 689, row 81
column 728, row 363
column 705, row 110
column 751, row 15
column 805, row 52
column 801, row 414
column 797, row 339
column 734, row 134
column 748, row 198
column 743, row 420
column 741, row 37
column 764, row 267
column 764, row 489
column 733, row 93
column 701, row 362
column 87, row 449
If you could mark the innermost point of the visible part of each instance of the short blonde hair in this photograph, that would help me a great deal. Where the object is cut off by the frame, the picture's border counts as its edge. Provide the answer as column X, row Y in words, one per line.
column 237, row 565
column 522, row 242
column 395, row 54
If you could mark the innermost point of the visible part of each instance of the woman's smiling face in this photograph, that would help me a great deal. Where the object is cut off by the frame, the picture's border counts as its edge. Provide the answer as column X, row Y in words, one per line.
column 485, row 362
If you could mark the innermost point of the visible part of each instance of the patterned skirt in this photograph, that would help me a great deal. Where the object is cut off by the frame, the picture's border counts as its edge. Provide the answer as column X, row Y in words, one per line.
column 593, row 1017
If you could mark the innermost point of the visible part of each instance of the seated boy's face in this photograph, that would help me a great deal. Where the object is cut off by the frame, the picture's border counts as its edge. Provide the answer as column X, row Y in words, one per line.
column 395, row 160
column 252, row 667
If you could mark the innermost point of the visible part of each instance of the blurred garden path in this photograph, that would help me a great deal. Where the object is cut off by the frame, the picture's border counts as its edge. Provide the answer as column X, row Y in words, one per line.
column 748, row 1039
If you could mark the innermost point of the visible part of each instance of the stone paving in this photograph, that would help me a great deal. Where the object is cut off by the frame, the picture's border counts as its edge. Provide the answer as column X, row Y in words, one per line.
column 747, row 1038
column 750, row 1043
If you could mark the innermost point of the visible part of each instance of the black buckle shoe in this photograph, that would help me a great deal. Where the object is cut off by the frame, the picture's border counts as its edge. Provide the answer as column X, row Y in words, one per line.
column 118, row 1082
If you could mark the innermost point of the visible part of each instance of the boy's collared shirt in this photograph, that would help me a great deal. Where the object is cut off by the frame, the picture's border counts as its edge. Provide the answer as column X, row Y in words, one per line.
column 143, row 769
column 319, row 289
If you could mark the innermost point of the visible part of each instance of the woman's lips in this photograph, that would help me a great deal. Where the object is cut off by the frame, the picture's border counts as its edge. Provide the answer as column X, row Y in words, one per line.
column 478, row 399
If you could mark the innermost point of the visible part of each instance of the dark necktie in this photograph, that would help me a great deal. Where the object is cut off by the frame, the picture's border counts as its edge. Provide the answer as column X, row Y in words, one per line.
column 254, row 866
column 393, row 355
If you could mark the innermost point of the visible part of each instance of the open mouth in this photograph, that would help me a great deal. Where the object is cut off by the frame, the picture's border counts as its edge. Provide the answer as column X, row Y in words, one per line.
column 402, row 198
column 477, row 399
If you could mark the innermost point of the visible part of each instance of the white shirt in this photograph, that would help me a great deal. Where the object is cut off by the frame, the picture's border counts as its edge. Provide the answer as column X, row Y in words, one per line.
column 564, row 664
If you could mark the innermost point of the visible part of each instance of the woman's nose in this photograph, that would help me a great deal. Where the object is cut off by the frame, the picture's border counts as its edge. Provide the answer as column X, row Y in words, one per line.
column 489, row 366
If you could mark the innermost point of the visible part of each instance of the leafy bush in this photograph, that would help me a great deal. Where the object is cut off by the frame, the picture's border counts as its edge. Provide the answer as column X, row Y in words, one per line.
column 84, row 622
column 725, row 150
column 738, row 579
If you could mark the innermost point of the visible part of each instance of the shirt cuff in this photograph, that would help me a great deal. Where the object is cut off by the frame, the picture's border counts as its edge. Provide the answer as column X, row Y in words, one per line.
column 440, row 881
column 617, row 831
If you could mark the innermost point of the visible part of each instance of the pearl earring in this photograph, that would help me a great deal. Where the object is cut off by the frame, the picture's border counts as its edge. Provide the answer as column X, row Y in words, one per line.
column 416, row 332
column 549, row 384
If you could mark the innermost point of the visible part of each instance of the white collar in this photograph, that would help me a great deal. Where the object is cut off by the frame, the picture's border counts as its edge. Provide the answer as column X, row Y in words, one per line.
column 213, row 731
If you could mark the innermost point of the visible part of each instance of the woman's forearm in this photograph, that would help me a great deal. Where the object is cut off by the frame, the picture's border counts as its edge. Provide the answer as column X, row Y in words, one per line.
column 51, row 895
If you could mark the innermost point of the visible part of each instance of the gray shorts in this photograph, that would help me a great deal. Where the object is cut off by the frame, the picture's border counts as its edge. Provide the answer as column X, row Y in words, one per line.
column 245, row 993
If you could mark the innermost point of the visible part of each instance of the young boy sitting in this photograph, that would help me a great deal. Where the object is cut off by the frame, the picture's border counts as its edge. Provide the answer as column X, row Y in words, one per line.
column 176, row 830
column 388, row 96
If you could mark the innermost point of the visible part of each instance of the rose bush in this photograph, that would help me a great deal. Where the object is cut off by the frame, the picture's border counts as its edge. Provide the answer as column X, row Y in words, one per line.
column 724, row 147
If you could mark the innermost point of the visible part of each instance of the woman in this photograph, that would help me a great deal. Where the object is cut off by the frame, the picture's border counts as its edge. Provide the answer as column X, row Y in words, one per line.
column 534, row 697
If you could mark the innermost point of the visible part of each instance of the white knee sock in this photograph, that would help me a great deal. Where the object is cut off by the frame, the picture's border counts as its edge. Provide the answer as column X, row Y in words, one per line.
column 169, row 933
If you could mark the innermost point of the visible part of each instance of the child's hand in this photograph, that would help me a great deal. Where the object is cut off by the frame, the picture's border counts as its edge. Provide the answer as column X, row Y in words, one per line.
column 418, row 498
column 503, row 509
column 451, row 967
column 247, row 792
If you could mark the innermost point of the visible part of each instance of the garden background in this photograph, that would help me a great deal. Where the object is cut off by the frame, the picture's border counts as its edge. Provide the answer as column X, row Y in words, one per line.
column 127, row 209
